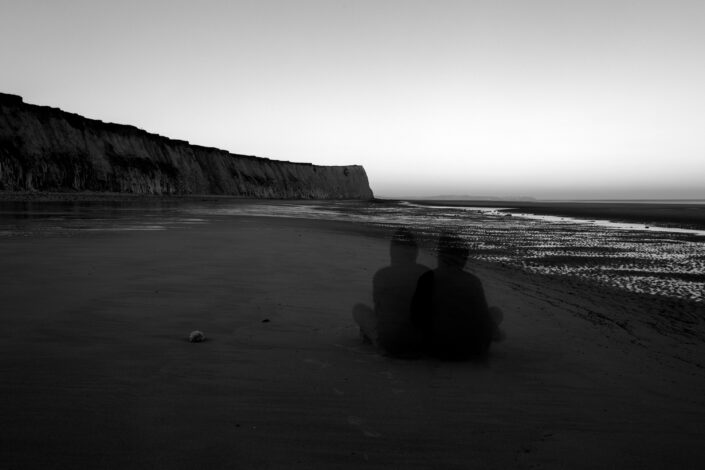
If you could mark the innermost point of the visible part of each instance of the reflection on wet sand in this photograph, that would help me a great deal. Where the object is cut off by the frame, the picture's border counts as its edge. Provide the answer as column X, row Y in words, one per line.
column 658, row 260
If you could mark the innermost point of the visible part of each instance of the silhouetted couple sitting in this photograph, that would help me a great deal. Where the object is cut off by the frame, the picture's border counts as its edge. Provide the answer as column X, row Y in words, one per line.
column 441, row 312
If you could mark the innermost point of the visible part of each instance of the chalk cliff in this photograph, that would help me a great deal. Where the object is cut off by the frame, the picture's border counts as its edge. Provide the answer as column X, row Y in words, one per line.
column 47, row 149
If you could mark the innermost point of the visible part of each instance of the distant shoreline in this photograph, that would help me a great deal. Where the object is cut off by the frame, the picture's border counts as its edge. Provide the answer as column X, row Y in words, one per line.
column 682, row 214
column 665, row 214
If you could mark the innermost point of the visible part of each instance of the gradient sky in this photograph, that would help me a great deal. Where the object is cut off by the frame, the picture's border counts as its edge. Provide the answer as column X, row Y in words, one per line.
column 551, row 99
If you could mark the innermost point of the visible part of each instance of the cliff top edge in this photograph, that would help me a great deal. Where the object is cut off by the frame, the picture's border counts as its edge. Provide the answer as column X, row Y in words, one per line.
column 7, row 99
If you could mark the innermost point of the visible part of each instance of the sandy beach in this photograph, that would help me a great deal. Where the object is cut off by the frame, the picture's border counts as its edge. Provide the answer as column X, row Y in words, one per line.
column 98, row 373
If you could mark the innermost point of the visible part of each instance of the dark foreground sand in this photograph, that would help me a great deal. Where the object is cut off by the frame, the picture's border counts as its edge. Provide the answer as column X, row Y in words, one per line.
column 97, row 373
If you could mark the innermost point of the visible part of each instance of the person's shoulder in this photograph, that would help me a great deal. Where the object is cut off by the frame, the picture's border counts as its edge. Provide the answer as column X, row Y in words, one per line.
column 427, row 276
column 421, row 269
column 393, row 272
column 383, row 272
column 472, row 276
column 473, row 280
column 460, row 275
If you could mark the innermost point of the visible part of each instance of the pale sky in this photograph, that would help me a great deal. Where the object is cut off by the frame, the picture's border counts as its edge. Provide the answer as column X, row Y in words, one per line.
column 551, row 99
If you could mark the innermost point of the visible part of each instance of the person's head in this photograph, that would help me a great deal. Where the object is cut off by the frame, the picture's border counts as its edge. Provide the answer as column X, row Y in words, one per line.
column 452, row 250
column 403, row 247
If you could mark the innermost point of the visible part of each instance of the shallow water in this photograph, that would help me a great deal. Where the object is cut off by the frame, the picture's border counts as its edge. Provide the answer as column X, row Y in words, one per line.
column 661, row 261
column 668, row 262
column 625, row 226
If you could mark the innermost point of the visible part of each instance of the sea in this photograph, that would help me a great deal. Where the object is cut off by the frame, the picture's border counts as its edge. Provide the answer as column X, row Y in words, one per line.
column 663, row 261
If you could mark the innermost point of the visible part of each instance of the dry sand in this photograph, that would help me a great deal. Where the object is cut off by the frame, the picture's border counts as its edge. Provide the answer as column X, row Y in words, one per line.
column 97, row 372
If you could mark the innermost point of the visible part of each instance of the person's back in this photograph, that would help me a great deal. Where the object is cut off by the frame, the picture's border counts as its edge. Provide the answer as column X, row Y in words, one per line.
column 449, row 305
column 388, row 324
column 393, row 291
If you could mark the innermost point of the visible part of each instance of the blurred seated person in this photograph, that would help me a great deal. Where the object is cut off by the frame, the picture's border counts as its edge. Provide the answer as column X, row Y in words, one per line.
column 449, row 306
column 388, row 324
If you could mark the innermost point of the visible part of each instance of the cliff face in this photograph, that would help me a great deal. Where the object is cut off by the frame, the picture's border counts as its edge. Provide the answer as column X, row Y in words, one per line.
column 47, row 149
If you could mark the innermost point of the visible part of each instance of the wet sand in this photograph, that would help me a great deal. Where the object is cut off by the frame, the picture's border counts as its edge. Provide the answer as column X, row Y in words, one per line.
column 665, row 214
column 97, row 372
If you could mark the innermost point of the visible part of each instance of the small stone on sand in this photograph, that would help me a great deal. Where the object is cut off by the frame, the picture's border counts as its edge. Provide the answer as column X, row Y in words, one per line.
column 196, row 336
